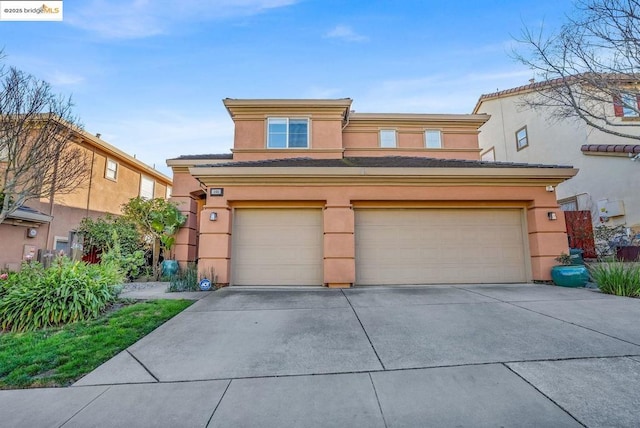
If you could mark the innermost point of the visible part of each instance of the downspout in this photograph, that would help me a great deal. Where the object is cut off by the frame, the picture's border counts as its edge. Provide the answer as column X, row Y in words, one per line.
column 93, row 155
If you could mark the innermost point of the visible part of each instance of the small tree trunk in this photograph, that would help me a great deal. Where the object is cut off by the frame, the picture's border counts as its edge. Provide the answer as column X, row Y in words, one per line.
column 157, row 272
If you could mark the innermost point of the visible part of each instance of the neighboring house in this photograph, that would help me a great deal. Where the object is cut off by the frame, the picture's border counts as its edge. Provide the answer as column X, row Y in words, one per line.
column 48, row 225
column 316, row 194
column 607, row 184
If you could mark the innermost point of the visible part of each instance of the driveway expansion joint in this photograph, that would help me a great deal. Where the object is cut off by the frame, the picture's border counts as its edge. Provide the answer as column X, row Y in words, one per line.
column 364, row 330
column 143, row 366
column 85, row 406
column 543, row 394
column 218, row 403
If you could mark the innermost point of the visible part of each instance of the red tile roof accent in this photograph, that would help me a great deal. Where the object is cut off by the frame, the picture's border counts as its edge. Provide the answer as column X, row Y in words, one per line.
column 611, row 148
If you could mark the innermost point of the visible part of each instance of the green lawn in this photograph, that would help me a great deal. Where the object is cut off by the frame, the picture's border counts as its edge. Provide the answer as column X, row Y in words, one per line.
column 60, row 356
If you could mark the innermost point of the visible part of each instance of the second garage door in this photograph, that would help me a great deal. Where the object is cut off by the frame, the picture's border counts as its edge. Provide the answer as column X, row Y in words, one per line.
column 277, row 247
column 439, row 246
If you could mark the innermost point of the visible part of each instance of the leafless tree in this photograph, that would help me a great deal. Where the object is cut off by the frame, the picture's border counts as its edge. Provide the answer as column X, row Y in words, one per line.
column 591, row 63
column 37, row 155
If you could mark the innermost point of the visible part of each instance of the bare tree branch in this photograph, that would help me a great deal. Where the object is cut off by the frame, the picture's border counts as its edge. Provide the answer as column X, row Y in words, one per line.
column 590, row 64
column 38, row 157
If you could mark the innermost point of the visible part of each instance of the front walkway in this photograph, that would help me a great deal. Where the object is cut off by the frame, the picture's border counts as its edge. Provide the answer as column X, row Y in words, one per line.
column 487, row 355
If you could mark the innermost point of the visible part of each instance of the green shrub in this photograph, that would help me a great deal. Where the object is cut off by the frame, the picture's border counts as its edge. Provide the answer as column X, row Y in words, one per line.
column 619, row 278
column 66, row 292
column 131, row 264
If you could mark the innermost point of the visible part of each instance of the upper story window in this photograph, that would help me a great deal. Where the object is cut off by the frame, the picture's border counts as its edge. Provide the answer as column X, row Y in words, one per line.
column 285, row 133
column 627, row 105
column 522, row 138
column 433, row 139
column 147, row 186
column 111, row 169
column 387, row 138
column 4, row 150
column 168, row 192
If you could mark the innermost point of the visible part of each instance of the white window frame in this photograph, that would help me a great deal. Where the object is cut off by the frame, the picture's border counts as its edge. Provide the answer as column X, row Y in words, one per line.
column 61, row 239
column 107, row 170
column 4, row 151
column 287, row 119
column 433, row 132
column 168, row 192
column 629, row 100
column 142, row 187
column 489, row 155
column 381, row 139
column 519, row 145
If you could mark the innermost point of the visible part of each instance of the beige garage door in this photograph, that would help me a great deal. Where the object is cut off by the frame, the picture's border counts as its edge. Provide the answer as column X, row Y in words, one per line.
column 277, row 247
column 439, row 246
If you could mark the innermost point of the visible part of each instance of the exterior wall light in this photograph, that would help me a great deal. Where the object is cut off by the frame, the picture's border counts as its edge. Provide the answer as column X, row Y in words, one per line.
column 552, row 216
column 213, row 216
column 549, row 188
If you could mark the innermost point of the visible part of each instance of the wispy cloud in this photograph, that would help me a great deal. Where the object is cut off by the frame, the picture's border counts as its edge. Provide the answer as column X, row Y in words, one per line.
column 438, row 93
column 321, row 92
column 129, row 19
column 61, row 78
column 345, row 32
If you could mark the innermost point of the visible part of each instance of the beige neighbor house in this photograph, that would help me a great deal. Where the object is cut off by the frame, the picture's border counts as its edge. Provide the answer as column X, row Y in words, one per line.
column 317, row 194
column 47, row 225
column 607, row 184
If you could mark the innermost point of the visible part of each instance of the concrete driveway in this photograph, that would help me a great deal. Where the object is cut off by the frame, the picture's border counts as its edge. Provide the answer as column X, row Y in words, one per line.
column 486, row 355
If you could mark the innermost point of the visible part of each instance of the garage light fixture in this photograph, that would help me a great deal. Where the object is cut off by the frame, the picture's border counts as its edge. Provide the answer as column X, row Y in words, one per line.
column 213, row 216
column 552, row 216
column 549, row 188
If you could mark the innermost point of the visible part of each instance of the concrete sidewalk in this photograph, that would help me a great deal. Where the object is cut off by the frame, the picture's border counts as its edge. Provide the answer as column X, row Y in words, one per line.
column 487, row 355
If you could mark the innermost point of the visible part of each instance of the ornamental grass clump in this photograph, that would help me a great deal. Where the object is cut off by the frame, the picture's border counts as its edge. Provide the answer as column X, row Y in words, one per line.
column 66, row 292
column 618, row 278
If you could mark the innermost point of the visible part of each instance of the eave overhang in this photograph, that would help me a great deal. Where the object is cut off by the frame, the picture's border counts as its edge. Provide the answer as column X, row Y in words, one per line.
column 363, row 176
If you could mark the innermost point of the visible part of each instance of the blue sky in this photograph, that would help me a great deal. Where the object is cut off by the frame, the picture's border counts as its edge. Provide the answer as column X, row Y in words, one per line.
column 149, row 75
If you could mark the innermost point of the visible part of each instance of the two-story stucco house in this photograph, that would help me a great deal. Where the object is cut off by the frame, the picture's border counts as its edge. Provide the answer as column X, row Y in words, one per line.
column 49, row 224
column 317, row 194
column 607, row 184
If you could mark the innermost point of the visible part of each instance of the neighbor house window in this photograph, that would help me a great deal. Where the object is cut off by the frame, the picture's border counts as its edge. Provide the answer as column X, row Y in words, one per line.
column 146, row 187
column 489, row 155
column 387, row 138
column 569, row 204
column 168, row 193
column 627, row 105
column 111, row 170
column 285, row 133
column 61, row 245
column 4, row 150
column 522, row 138
column 433, row 139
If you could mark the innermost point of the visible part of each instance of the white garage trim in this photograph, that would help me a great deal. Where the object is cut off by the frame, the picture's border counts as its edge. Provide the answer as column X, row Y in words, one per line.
column 277, row 247
column 440, row 246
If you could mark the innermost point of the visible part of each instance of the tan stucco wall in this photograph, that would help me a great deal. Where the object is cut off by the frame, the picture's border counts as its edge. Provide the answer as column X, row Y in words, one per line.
column 559, row 142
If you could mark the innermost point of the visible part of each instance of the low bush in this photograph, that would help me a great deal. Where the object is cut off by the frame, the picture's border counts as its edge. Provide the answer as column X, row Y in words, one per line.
column 185, row 279
column 615, row 277
column 66, row 292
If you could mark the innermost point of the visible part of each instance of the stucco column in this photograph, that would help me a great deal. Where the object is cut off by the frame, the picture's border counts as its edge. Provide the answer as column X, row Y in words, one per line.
column 547, row 238
column 215, row 242
column 185, row 250
column 339, row 246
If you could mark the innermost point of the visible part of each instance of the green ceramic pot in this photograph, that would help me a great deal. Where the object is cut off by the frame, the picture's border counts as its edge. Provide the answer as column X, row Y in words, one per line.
column 169, row 267
column 570, row 276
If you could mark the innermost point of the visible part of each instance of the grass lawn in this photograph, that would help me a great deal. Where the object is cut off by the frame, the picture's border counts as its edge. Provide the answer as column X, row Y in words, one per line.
column 59, row 356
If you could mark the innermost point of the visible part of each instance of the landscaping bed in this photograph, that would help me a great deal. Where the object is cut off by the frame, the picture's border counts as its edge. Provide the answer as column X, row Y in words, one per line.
column 58, row 356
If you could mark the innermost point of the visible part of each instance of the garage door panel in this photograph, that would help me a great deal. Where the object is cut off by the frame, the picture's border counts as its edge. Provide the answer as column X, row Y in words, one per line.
column 435, row 246
column 277, row 247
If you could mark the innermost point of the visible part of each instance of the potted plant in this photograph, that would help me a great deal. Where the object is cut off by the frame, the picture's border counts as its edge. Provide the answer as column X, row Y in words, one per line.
column 568, row 274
